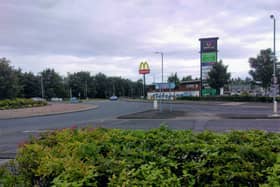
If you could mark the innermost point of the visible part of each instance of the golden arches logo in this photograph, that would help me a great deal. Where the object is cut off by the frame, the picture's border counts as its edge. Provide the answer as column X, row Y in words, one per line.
column 144, row 68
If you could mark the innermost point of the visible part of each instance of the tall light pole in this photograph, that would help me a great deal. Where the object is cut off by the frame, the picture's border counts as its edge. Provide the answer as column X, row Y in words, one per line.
column 161, row 53
column 274, row 73
column 42, row 86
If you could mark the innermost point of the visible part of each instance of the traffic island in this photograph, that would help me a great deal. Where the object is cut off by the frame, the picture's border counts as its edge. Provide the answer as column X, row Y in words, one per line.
column 155, row 114
column 248, row 116
column 166, row 114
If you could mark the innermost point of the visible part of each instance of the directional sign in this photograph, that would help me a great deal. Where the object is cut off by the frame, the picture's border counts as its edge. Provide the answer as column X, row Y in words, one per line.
column 170, row 85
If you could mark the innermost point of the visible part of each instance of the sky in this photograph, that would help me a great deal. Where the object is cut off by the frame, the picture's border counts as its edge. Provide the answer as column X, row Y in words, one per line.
column 114, row 36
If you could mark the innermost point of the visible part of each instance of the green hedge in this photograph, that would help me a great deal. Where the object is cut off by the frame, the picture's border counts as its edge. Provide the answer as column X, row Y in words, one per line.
column 20, row 103
column 158, row 157
column 229, row 98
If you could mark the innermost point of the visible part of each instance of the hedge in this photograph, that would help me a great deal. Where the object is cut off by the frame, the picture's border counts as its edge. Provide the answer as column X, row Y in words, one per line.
column 158, row 157
column 20, row 103
column 229, row 98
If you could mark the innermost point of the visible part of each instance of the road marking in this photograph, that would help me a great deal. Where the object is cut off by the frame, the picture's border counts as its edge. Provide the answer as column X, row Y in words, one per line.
column 232, row 104
column 35, row 131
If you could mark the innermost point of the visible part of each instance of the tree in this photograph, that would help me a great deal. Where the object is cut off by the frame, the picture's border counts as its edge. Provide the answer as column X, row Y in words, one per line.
column 80, row 84
column 101, row 85
column 187, row 78
column 31, row 85
column 174, row 78
column 9, row 81
column 262, row 68
column 218, row 76
column 53, row 84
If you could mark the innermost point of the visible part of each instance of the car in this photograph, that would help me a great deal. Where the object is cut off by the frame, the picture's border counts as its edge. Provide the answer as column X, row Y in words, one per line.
column 74, row 100
column 113, row 98
column 56, row 99
column 38, row 99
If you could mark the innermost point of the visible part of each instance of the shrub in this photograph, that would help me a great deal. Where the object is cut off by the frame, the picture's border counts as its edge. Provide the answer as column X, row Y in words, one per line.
column 20, row 103
column 158, row 157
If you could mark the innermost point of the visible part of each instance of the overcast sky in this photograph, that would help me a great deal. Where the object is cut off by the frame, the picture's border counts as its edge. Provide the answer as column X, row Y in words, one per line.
column 114, row 36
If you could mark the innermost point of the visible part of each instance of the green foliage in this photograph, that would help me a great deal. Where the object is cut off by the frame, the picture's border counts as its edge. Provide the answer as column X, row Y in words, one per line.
column 81, row 83
column 274, row 174
column 20, row 103
column 262, row 67
column 9, row 81
column 53, row 84
column 218, row 76
column 187, row 78
column 158, row 157
column 10, row 176
column 31, row 85
column 14, row 83
column 174, row 78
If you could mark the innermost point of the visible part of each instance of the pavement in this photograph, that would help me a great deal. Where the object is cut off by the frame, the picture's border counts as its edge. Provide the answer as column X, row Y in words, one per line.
column 196, row 116
column 53, row 108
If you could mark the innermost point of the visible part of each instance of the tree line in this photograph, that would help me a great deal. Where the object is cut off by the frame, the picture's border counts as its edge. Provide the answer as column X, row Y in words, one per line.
column 15, row 83
column 49, row 84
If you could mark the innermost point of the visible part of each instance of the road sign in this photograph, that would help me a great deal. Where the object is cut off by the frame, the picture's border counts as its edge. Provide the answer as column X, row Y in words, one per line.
column 169, row 85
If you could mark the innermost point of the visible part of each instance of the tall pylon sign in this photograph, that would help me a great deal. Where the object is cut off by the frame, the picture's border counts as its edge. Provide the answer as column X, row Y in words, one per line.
column 208, row 57
column 144, row 69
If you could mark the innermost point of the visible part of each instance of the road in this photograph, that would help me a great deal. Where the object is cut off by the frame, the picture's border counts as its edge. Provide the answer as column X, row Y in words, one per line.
column 200, row 116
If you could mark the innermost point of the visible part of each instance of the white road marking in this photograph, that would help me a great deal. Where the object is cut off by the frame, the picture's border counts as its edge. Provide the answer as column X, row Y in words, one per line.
column 35, row 131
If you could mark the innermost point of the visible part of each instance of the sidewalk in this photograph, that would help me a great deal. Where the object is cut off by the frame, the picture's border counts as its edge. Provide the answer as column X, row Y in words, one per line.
column 51, row 109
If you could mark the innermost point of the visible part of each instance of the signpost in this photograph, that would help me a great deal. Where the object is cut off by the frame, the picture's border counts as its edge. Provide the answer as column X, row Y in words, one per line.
column 170, row 85
column 166, row 86
column 208, row 57
column 144, row 69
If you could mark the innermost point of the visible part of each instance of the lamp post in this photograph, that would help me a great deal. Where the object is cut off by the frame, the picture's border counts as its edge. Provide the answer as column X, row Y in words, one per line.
column 161, row 53
column 274, row 73
column 42, row 86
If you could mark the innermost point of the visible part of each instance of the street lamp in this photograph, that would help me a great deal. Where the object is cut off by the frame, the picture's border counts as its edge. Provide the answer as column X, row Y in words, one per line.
column 274, row 74
column 161, row 53
column 42, row 86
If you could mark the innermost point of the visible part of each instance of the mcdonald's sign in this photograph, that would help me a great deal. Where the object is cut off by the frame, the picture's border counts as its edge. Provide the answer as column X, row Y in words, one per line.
column 144, row 68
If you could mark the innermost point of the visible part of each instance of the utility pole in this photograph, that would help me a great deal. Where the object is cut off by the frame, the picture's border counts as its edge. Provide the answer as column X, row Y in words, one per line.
column 70, row 93
column 42, row 87
column 274, row 79
column 86, row 90
column 161, row 85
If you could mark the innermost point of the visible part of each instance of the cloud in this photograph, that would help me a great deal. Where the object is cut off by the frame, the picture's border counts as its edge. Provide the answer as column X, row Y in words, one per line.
column 72, row 35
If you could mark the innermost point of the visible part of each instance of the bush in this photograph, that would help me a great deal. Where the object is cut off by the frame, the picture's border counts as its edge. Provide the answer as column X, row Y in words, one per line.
column 244, row 98
column 20, row 103
column 158, row 157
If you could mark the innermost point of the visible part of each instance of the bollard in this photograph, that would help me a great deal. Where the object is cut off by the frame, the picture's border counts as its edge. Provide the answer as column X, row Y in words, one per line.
column 155, row 105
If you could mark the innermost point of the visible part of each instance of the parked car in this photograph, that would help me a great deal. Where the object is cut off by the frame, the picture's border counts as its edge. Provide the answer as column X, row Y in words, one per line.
column 56, row 99
column 74, row 100
column 38, row 99
column 113, row 98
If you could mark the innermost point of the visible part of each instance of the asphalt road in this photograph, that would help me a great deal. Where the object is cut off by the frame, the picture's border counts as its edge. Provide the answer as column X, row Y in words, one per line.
column 200, row 116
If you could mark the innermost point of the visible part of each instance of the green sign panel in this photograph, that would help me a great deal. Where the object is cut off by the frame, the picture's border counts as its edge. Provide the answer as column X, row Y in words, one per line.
column 209, row 57
column 209, row 91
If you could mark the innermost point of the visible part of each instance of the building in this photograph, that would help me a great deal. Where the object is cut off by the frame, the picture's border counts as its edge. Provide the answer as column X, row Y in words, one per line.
column 186, row 88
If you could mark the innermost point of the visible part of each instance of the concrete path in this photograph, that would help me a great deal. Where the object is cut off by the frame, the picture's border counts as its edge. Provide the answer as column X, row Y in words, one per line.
column 51, row 109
